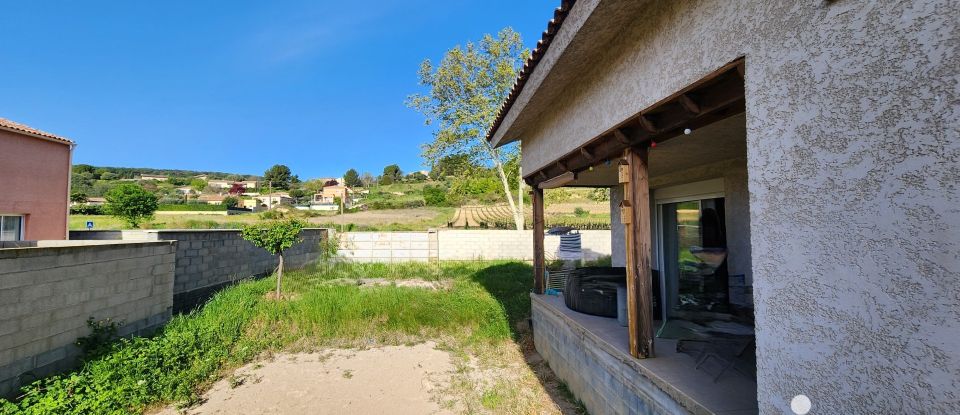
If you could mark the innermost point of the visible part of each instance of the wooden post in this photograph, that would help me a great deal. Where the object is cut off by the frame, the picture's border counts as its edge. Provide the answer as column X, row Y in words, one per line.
column 635, row 215
column 539, row 265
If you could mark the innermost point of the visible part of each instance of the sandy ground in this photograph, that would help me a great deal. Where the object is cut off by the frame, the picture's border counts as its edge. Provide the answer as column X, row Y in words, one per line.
column 384, row 380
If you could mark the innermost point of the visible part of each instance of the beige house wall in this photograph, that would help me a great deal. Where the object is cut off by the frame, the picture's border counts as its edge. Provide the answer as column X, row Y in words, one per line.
column 853, row 143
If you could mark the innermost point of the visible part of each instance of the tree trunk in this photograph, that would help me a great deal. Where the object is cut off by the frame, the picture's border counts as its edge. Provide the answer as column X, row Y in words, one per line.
column 520, row 194
column 517, row 215
column 279, row 275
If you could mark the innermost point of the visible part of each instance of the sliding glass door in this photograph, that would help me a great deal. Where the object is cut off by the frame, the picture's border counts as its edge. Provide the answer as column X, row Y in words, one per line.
column 693, row 249
column 11, row 228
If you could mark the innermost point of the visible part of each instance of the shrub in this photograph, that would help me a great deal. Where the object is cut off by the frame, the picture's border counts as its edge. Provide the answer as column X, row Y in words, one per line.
column 131, row 203
column 189, row 207
column 434, row 196
column 581, row 212
column 86, row 210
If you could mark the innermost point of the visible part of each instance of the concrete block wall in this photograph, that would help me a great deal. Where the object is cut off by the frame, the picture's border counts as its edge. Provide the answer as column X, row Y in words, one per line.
column 389, row 246
column 459, row 245
column 506, row 244
column 599, row 377
column 208, row 260
column 49, row 290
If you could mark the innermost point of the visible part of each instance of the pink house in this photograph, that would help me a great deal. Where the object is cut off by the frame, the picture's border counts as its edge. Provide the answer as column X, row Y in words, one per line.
column 34, row 183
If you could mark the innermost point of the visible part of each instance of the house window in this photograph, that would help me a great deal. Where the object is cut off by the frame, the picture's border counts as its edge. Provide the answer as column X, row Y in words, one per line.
column 11, row 228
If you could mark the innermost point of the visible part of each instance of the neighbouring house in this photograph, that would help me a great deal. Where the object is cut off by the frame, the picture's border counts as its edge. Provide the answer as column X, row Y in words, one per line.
column 329, row 195
column 96, row 201
column 154, row 177
column 272, row 200
column 220, row 184
column 211, row 199
column 186, row 190
column 249, row 184
column 34, row 183
column 783, row 180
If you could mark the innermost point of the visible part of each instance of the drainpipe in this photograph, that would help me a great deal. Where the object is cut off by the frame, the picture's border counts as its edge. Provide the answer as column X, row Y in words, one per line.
column 66, row 224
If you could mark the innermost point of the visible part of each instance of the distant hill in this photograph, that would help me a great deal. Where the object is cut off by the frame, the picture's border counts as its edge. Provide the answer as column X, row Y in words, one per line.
column 134, row 172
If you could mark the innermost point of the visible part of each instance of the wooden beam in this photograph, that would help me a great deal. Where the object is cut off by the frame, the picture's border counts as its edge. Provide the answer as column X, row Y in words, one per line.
column 621, row 137
column 647, row 124
column 586, row 154
column 636, row 198
column 689, row 104
column 539, row 263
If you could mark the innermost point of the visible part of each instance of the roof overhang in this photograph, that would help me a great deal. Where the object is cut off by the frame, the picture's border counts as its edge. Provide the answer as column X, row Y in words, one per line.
column 562, row 55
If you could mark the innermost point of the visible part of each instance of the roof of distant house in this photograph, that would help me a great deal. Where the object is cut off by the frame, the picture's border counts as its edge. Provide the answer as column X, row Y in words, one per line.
column 8, row 125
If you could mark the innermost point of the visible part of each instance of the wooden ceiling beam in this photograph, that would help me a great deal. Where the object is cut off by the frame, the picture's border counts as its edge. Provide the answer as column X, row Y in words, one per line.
column 705, row 102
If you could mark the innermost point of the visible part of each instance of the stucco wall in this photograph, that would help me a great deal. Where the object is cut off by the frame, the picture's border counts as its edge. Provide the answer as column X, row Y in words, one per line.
column 48, row 292
column 34, row 177
column 853, row 148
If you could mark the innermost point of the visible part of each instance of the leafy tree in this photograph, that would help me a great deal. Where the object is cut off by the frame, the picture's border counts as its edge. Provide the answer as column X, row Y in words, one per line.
column 198, row 184
column 391, row 174
column 109, row 176
column 465, row 93
column 230, row 202
column 237, row 189
column 299, row 195
column 274, row 237
column 351, row 178
column 331, row 183
column 131, row 203
column 313, row 186
column 83, row 168
column 278, row 177
column 451, row 165
column 415, row 177
column 78, row 197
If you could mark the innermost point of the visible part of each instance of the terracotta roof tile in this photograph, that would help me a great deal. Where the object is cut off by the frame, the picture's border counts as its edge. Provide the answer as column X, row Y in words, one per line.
column 10, row 125
column 559, row 15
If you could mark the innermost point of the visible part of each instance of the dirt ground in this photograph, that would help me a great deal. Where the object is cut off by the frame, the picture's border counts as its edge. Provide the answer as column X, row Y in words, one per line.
column 383, row 380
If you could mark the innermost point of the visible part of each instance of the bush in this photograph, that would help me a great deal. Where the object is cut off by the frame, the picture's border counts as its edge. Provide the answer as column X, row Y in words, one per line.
column 86, row 210
column 190, row 207
column 581, row 212
column 435, row 196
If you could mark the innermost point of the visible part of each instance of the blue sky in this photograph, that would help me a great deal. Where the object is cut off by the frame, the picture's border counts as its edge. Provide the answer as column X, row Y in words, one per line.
column 237, row 86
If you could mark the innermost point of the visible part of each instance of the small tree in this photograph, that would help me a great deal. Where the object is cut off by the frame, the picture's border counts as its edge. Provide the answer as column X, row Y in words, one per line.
column 237, row 189
column 351, row 178
column 131, row 203
column 230, row 202
column 78, row 197
column 274, row 237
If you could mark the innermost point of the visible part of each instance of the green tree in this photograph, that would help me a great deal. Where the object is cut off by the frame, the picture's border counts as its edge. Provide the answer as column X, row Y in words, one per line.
column 391, row 174
column 351, row 178
column 198, row 185
column 451, row 165
column 274, row 237
column 130, row 202
column 230, row 202
column 415, row 177
column 278, row 177
column 78, row 197
column 465, row 93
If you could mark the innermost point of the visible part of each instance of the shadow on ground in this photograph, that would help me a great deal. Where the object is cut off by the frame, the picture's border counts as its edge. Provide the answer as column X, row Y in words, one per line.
column 510, row 284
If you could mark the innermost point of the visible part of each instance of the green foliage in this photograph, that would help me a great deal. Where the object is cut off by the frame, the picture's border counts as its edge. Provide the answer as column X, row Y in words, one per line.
column 484, row 302
column 415, row 177
column 131, row 203
column 435, row 196
column 351, row 178
column 452, row 165
column 581, row 212
column 558, row 195
column 278, row 176
column 391, row 174
column 191, row 207
column 78, row 197
column 198, row 184
column 86, row 210
column 230, row 202
column 274, row 237
column 600, row 194
column 102, row 332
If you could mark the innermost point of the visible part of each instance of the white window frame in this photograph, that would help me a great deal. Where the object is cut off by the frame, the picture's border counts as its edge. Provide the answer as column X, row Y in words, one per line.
column 22, row 225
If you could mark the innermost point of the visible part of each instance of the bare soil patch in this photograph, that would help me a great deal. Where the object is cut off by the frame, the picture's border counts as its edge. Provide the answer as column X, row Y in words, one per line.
column 383, row 380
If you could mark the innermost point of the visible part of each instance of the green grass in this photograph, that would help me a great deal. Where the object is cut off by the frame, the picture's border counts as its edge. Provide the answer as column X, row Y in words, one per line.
column 478, row 311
